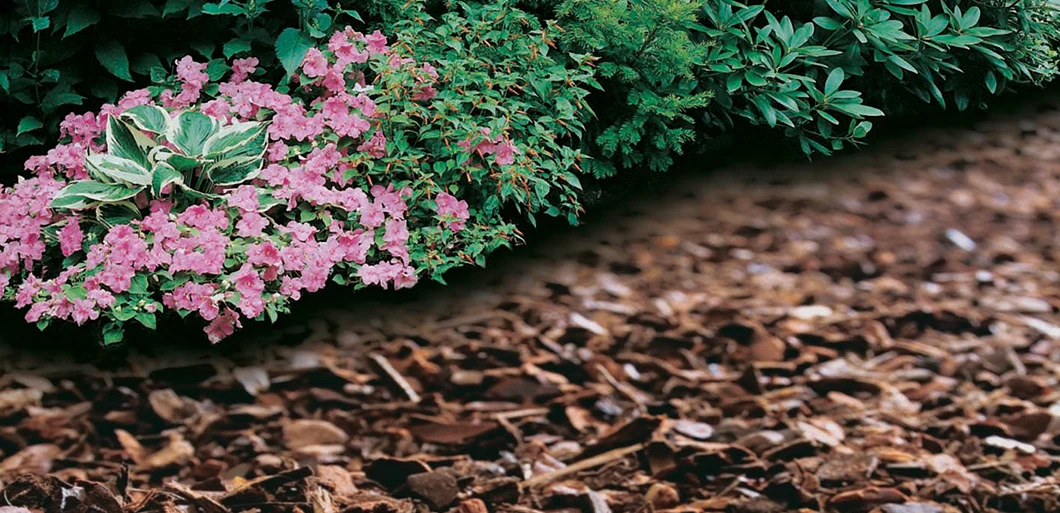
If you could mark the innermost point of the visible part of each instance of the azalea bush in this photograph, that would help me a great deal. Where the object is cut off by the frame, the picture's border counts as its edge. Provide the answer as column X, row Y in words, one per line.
column 225, row 201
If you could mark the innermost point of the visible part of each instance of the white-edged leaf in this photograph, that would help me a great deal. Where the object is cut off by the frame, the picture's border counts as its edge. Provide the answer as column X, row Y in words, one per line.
column 190, row 130
column 82, row 193
column 150, row 118
column 234, row 171
column 127, row 142
column 237, row 140
column 122, row 212
column 111, row 168
column 162, row 175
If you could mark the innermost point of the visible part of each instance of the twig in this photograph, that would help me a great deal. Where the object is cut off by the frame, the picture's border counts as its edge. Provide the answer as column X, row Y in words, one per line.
column 396, row 376
column 516, row 414
column 595, row 461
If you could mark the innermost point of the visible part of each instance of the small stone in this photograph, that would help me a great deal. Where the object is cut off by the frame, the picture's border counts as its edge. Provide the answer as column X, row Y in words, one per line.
column 662, row 496
column 438, row 488
column 306, row 432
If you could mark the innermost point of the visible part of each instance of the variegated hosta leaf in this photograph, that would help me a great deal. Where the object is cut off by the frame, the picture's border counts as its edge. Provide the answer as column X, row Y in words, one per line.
column 127, row 142
column 181, row 163
column 190, row 131
column 123, row 212
column 84, row 193
column 237, row 140
column 162, row 175
column 149, row 118
column 114, row 169
column 234, row 171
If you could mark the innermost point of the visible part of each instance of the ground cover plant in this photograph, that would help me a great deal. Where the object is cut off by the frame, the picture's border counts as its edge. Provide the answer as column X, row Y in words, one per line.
column 292, row 155
column 228, row 200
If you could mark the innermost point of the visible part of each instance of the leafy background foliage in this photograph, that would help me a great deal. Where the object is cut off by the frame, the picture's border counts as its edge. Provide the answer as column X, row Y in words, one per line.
column 70, row 56
column 670, row 75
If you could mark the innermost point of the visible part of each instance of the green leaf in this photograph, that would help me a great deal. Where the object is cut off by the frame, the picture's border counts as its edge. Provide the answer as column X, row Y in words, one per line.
column 190, row 131
column 40, row 23
column 150, row 118
column 111, row 214
column 835, row 79
column 237, row 140
column 235, row 47
column 111, row 55
column 857, row 110
column 180, row 162
column 81, row 193
column 162, row 175
column 234, row 171
column 114, row 169
column 59, row 96
column 991, row 82
column 81, row 17
column 223, row 8
column 127, row 142
column 175, row 6
column 28, row 124
column 147, row 319
column 112, row 333
column 291, row 48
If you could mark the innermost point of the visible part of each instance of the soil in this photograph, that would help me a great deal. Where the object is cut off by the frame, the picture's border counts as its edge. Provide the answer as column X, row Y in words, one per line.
column 874, row 332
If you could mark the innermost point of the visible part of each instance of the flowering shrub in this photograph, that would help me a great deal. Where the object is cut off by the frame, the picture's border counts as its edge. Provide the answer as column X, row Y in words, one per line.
column 227, row 201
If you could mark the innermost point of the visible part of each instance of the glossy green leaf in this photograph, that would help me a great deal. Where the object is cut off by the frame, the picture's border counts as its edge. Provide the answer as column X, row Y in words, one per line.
column 291, row 47
column 150, row 118
column 126, row 142
column 111, row 54
column 190, row 131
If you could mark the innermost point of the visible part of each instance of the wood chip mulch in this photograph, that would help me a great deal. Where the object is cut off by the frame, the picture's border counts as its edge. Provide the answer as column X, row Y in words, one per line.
column 874, row 333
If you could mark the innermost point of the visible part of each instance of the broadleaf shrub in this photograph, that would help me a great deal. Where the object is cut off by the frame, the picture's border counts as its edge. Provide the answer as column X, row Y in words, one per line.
column 227, row 201
column 678, row 73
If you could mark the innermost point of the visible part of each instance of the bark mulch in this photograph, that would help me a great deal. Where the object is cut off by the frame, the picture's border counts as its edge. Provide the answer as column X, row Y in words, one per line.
column 878, row 332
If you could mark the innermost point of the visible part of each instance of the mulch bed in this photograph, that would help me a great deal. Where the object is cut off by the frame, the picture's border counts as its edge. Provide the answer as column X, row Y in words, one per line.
column 875, row 333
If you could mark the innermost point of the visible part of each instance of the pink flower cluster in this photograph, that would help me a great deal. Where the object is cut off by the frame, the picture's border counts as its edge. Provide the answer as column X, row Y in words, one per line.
column 503, row 150
column 310, row 215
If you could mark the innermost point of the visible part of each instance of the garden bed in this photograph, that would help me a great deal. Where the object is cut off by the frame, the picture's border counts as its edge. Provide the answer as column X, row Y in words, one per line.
column 877, row 333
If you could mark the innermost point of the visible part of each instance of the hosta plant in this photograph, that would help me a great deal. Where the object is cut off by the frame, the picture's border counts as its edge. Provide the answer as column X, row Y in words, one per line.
column 184, row 158
column 227, row 201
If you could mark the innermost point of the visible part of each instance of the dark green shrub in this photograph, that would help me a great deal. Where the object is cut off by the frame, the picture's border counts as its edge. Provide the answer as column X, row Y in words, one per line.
column 677, row 73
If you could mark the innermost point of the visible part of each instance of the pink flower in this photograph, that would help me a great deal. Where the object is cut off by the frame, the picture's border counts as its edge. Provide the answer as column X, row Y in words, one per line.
column 505, row 153
column 277, row 151
column 376, row 43
column 344, row 49
column 376, row 274
column 71, row 237
column 405, row 278
column 202, row 217
column 314, row 64
column 217, row 109
column 250, row 286
column 193, row 297
column 453, row 211
column 244, row 197
column 84, row 310
column 223, row 326
column 264, row 253
column 241, row 68
column 251, row 224
column 299, row 231
column 134, row 99
column 391, row 200
column 376, row 146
